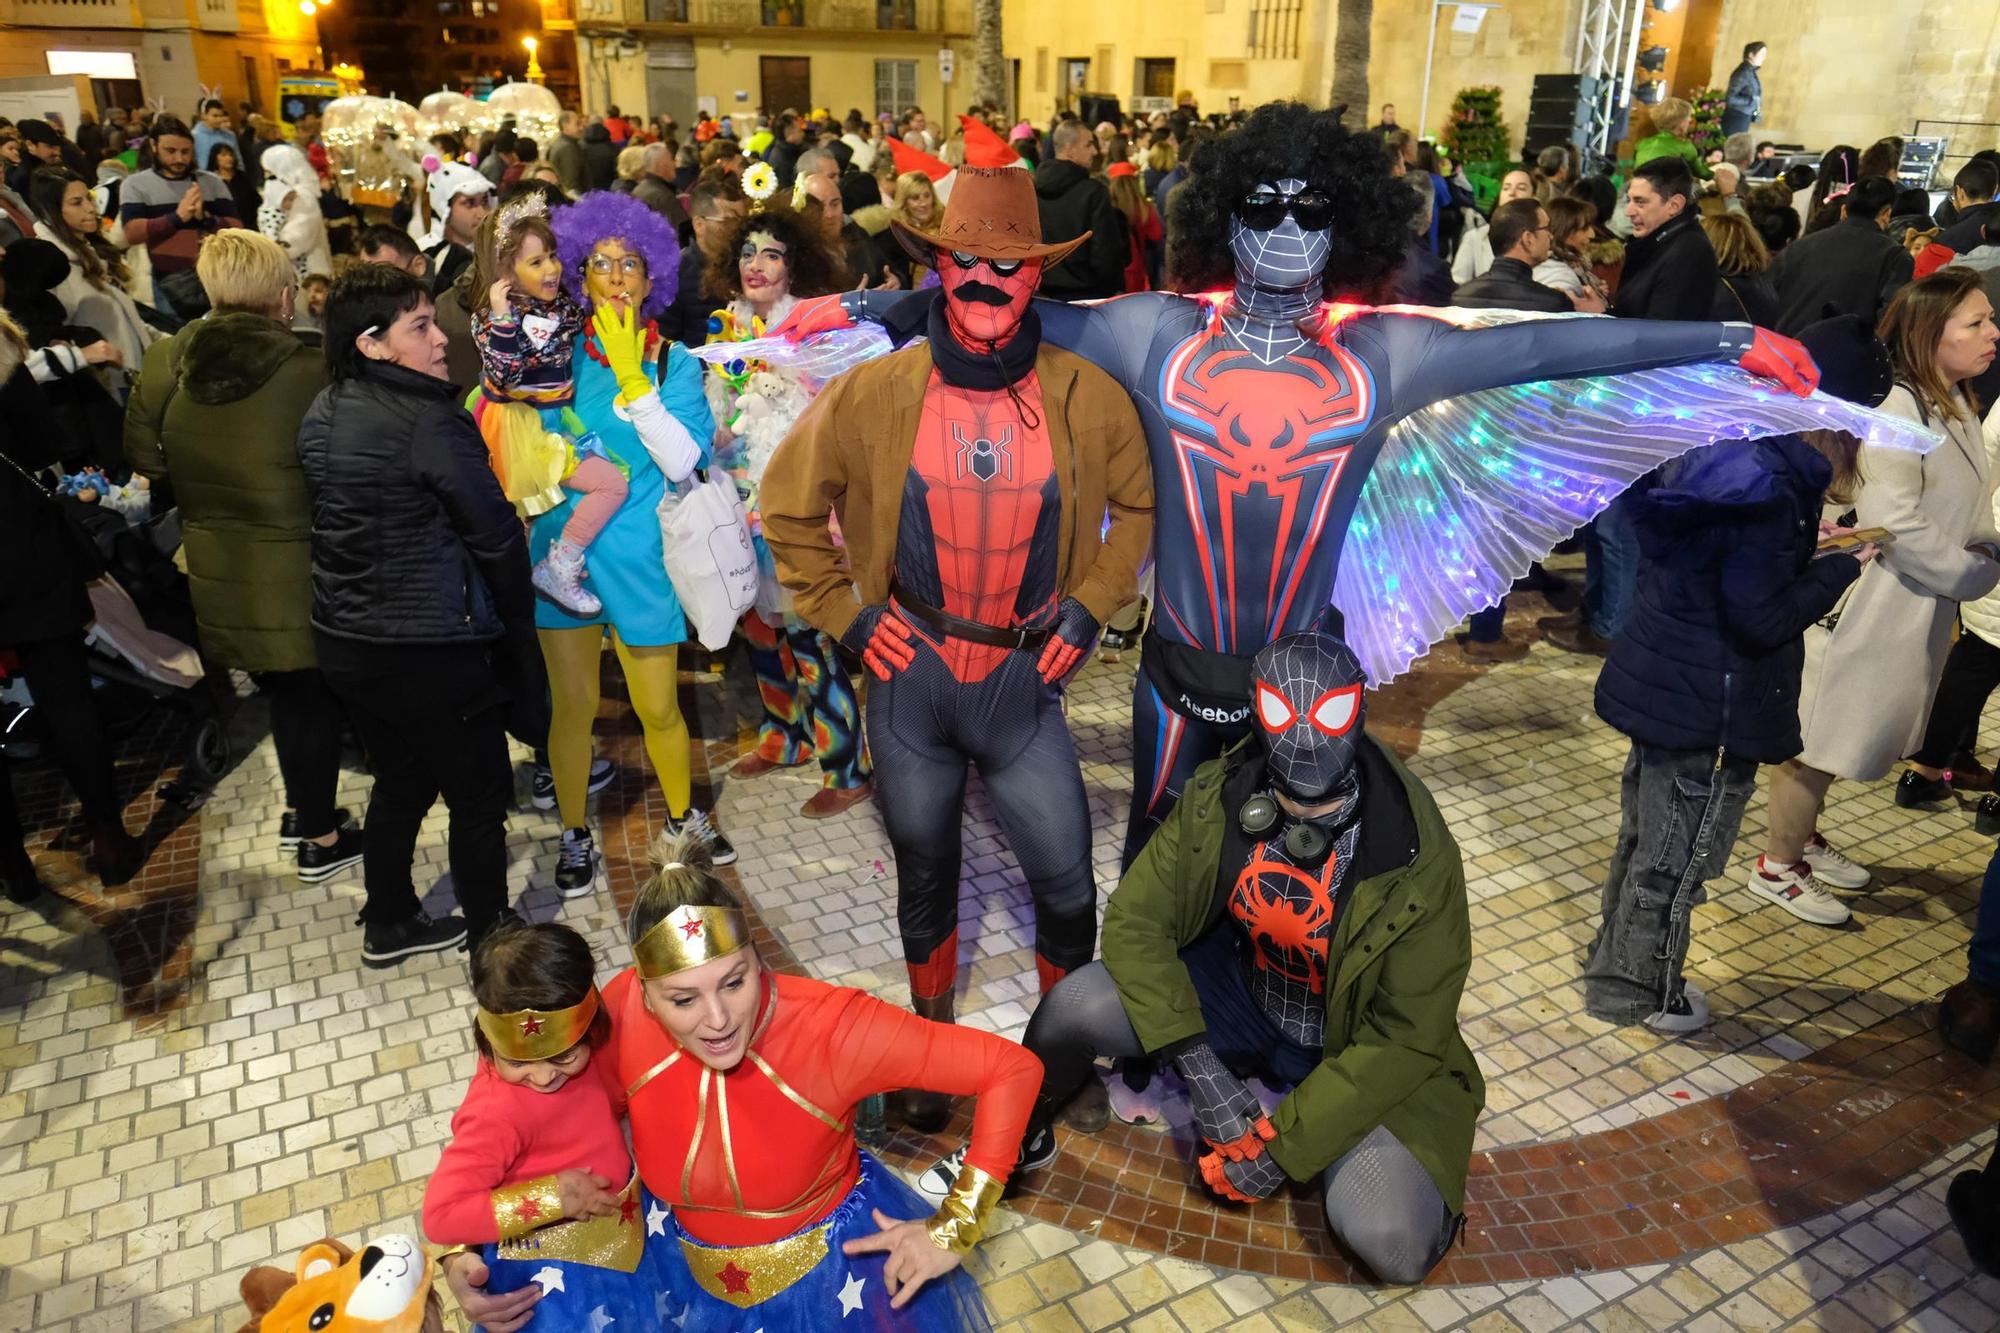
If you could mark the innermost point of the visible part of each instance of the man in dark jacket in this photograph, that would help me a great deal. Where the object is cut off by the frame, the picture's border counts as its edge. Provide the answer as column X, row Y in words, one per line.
column 656, row 186
column 788, row 141
column 715, row 205
column 1850, row 268
column 1745, row 97
column 1073, row 203
column 1299, row 919
column 566, row 155
column 600, row 158
column 1972, row 191
column 1705, row 682
column 1670, row 270
column 1520, row 237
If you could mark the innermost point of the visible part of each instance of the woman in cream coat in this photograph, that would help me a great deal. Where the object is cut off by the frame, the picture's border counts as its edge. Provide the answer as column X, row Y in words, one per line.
column 1868, row 685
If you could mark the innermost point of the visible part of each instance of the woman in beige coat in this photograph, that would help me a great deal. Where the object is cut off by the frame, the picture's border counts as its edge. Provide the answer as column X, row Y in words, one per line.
column 1868, row 684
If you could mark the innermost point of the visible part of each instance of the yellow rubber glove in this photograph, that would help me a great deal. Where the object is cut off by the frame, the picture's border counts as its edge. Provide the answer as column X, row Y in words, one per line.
column 623, row 339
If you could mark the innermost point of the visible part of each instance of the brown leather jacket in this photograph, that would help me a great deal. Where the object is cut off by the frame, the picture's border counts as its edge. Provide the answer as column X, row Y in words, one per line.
column 850, row 454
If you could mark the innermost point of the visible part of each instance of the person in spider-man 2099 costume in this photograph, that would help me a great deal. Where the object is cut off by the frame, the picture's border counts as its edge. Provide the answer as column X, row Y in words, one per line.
column 1268, row 407
column 972, row 477
column 1294, row 939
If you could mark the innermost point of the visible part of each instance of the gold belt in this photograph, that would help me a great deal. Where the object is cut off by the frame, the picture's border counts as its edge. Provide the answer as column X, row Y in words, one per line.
column 745, row 1275
column 614, row 1242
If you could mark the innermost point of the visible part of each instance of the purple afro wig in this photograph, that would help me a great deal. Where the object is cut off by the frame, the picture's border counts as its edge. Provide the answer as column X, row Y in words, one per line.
column 603, row 215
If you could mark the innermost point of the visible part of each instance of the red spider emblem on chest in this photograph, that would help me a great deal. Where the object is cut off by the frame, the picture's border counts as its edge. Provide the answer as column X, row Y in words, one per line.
column 982, row 457
column 1289, row 932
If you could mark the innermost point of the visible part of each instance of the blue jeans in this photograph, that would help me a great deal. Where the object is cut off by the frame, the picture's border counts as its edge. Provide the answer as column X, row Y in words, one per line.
column 1610, row 568
column 1982, row 956
column 1679, row 815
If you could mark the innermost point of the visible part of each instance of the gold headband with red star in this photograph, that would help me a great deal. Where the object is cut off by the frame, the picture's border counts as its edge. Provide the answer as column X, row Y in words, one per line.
column 538, row 1034
column 688, row 937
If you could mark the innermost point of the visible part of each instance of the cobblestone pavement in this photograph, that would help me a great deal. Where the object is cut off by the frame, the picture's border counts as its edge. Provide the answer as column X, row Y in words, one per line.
column 197, row 1076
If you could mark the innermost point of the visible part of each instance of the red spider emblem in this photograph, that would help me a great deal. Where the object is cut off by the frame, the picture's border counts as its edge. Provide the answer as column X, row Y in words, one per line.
column 1290, row 933
column 984, row 458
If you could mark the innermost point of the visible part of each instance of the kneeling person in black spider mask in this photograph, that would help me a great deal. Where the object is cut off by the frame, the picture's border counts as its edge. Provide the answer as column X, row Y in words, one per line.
column 1300, row 919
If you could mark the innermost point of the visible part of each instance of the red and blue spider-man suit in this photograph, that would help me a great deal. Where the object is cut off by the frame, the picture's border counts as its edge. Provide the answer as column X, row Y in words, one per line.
column 972, row 477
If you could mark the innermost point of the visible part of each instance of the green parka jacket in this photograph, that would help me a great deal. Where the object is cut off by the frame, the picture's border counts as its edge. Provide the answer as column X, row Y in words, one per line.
column 216, row 412
column 1397, row 962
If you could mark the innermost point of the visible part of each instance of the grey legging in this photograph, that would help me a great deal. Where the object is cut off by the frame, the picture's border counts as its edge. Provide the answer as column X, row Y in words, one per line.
column 1380, row 1202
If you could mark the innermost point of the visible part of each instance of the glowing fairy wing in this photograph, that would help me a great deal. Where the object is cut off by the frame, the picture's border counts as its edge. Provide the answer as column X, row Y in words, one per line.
column 819, row 357
column 1469, row 492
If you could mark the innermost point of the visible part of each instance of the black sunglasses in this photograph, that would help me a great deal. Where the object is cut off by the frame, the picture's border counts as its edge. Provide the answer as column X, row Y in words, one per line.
column 1003, row 267
column 1265, row 209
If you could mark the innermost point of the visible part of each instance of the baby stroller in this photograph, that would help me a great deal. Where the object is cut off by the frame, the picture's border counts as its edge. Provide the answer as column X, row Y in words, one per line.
column 140, row 656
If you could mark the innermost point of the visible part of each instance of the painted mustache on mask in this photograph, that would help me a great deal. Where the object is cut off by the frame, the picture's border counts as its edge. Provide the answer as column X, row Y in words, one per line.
column 980, row 293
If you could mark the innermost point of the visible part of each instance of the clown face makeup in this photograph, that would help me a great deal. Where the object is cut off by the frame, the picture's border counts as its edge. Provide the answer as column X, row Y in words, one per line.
column 1280, row 236
column 1307, row 697
column 763, row 269
column 984, row 299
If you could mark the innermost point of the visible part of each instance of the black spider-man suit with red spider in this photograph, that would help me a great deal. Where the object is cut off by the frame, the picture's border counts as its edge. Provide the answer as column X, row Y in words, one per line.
column 991, row 592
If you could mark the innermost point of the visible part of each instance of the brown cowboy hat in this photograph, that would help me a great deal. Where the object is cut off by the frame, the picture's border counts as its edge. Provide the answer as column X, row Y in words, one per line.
column 992, row 213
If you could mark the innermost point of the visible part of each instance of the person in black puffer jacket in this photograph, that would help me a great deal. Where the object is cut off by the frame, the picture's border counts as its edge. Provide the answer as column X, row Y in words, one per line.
column 423, row 613
column 1705, row 678
column 600, row 157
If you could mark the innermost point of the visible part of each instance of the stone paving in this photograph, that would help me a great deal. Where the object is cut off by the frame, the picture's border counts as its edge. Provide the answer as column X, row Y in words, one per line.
column 196, row 1075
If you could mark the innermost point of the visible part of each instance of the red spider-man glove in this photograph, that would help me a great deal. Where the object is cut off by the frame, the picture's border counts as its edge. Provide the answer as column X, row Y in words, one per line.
column 1072, row 634
column 817, row 314
column 1773, row 356
column 1241, row 1182
column 882, row 639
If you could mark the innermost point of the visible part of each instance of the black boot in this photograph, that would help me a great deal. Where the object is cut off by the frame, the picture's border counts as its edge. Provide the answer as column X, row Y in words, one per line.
column 115, row 854
column 1986, row 819
column 925, row 1111
column 1975, row 1209
column 1969, row 1019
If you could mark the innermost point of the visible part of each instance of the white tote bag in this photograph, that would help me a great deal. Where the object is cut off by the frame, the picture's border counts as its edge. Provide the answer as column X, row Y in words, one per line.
column 710, row 560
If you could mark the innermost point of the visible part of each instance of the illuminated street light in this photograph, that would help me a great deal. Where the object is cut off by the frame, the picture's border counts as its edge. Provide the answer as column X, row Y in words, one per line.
column 534, row 65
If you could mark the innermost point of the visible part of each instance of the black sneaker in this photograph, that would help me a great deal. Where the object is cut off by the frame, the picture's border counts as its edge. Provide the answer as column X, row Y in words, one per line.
column 1037, row 1150
column 702, row 825
column 576, row 864
column 385, row 946
column 288, row 827
column 317, row 863
column 1913, row 789
column 543, row 795
column 1986, row 819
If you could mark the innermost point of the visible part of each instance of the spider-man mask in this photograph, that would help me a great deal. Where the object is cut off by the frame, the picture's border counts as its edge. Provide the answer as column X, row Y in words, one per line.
column 1307, row 696
column 1280, row 235
column 984, row 299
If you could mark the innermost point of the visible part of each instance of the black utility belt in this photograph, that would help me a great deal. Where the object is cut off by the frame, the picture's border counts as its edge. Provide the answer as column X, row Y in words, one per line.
column 948, row 626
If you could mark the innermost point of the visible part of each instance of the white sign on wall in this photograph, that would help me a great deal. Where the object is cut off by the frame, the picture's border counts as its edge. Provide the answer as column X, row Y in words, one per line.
column 947, row 63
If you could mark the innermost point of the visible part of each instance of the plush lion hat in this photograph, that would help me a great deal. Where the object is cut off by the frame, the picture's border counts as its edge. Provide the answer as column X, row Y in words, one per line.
column 386, row 1288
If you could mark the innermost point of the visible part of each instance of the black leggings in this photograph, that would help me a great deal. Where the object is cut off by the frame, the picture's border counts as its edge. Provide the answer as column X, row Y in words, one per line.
column 924, row 727
column 433, row 722
column 58, row 675
column 1970, row 673
column 306, row 724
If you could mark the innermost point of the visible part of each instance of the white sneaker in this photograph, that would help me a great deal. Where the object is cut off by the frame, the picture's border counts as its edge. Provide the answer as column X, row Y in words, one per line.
column 1799, row 892
column 1685, row 1012
column 1833, row 867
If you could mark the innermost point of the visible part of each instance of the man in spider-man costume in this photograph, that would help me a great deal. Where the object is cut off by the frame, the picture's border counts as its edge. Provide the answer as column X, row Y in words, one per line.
column 1298, row 921
column 972, row 477
column 1266, row 410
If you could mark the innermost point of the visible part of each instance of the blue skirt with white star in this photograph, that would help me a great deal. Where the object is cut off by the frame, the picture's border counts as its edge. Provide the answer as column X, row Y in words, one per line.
column 837, row 1295
column 582, row 1296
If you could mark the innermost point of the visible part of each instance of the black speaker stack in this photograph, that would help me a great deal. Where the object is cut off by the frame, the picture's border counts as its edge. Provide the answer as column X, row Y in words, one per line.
column 1559, row 110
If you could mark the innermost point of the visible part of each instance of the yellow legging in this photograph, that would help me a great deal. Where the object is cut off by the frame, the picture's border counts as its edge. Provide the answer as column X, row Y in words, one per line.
column 575, row 659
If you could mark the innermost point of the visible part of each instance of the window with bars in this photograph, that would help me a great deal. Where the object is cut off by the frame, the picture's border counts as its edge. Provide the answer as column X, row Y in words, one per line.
column 895, row 86
column 1274, row 29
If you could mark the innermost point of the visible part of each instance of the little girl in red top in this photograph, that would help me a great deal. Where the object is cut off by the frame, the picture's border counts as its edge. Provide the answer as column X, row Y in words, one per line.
column 537, row 1174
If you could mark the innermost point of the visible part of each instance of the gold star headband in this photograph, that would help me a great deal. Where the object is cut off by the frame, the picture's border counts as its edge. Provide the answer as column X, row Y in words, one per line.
column 538, row 1034
column 688, row 937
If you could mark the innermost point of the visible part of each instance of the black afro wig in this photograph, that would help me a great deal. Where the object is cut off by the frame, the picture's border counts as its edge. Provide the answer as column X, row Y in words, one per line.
column 1291, row 141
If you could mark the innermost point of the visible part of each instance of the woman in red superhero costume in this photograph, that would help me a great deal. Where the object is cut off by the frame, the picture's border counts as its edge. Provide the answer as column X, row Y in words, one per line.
column 741, row 1086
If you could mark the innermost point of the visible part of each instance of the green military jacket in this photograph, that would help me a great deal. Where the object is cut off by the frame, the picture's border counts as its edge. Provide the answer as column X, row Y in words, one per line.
column 1397, row 963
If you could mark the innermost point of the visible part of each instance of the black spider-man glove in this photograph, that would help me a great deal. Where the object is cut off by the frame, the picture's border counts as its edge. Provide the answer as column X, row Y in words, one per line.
column 882, row 640
column 1070, row 638
column 1226, row 1113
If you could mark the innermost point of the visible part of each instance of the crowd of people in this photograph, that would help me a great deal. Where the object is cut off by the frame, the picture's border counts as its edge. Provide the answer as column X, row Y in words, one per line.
column 425, row 426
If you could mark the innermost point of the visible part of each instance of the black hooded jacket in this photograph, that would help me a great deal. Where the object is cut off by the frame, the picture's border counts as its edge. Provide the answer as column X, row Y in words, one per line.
column 1072, row 203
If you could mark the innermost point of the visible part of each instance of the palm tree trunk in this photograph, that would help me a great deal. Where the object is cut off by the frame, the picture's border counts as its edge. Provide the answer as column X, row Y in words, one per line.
column 1350, row 61
column 989, row 66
